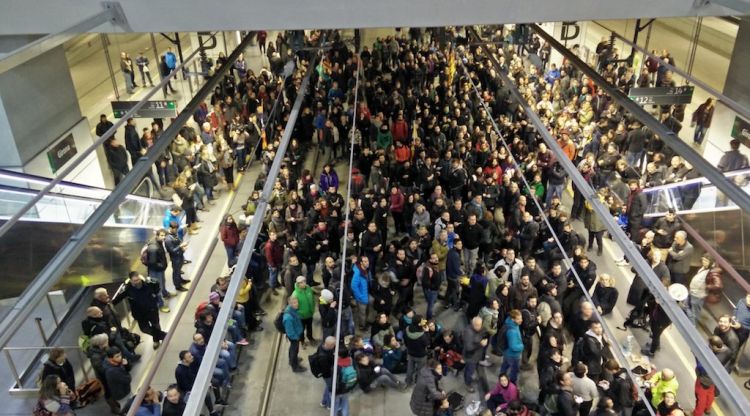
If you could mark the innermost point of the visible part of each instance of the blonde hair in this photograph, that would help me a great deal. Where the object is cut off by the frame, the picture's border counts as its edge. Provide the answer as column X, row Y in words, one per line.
column 606, row 280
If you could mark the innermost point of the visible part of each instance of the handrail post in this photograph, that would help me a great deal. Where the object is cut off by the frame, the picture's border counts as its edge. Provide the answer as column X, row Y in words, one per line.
column 38, row 322
column 12, row 367
column 52, row 310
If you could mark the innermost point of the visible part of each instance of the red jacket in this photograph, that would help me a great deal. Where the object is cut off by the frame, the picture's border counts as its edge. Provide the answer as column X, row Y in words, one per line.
column 403, row 153
column 399, row 131
column 274, row 254
column 230, row 235
column 397, row 202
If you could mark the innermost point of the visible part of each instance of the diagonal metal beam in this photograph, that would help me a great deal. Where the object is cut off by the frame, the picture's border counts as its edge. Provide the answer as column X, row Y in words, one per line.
column 734, row 397
column 213, row 347
column 111, row 12
column 734, row 192
column 77, row 242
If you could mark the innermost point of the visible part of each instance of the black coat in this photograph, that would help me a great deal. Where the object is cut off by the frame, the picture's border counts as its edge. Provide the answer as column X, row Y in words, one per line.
column 64, row 371
column 157, row 256
column 118, row 380
column 141, row 299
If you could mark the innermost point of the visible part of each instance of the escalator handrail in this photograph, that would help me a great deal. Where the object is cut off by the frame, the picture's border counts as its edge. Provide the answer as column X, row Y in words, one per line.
column 701, row 180
column 30, row 177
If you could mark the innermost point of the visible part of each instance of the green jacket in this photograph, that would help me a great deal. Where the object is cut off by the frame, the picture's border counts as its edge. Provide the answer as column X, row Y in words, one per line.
column 384, row 140
column 306, row 301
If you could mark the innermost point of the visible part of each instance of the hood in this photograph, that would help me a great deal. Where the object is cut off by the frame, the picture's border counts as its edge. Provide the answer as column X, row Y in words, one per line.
column 414, row 332
column 510, row 323
column 489, row 311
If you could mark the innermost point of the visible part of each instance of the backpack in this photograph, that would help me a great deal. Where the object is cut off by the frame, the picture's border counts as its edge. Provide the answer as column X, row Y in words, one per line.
column 316, row 362
column 578, row 351
column 502, row 339
column 144, row 254
column 84, row 341
column 278, row 322
column 89, row 392
column 348, row 377
column 550, row 404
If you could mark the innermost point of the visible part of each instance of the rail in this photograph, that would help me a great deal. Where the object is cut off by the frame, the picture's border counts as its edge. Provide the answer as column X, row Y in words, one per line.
column 18, row 388
column 213, row 347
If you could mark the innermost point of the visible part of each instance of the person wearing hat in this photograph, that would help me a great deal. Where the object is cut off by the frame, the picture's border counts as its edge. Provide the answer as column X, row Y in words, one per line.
column 306, row 310
column 294, row 333
column 328, row 309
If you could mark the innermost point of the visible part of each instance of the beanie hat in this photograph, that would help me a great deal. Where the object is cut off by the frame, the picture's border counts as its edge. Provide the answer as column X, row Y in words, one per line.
column 213, row 297
column 326, row 295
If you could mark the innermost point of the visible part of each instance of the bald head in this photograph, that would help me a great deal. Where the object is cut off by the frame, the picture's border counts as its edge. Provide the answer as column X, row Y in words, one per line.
column 667, row 374
column 330, row 343
column 476, row 323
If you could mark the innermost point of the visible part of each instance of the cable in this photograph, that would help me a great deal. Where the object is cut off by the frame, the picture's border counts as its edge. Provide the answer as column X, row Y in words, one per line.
column 343, row 249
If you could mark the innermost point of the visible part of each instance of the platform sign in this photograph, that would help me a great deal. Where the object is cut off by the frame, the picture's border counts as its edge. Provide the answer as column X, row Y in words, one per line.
column 662, row 95
column 61, row 152
column 741, row 131
column 152, row 109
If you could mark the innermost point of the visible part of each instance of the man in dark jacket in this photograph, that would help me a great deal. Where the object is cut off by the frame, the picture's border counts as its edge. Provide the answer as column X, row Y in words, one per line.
column 635, row 208
column 454, row 271
column 143, row 297
column 117, row 159
column 176, row 249
column 417, row 342
column 475, row 344
column 184, row 374
column 326, row 362
column 528, row 233
column 103, row 125
column 117, row 376
column 156, row 263
column 595, row 350
column 133, row 142
column 427, row 392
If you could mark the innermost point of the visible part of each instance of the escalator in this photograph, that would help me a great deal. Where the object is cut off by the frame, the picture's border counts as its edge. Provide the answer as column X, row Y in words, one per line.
column 41, row 232
column 718, row 220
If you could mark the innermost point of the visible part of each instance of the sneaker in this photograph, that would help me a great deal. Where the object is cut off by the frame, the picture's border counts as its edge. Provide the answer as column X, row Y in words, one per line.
column 164, row 309
column 243, row 341
column 181, row 289
column 485, row 363
column 647, row 352
column 299, row 369
column 157, row 344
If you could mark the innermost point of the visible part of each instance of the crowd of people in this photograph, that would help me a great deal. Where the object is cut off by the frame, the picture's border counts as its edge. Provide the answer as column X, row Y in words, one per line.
column 448, row 217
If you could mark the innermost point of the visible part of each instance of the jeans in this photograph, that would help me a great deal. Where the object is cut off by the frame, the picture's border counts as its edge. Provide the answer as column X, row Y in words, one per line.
column 241, row 158
column 234, row 332
column 700, row 133
column 347, row 321
column 361, row 316
column 307, row 328
column 293, row 352
column 470, row 258
column 128, row 82
column 326, row 400
column 177, row 262
column 696, row 307
column 230, row 354
column 413, row 365
column 231, row 255
column 469, row 372
column 158, row 275
column 510, row 366
column 452, row 292
column 385, row 378
column 341, row 405
column 431, row 297
column 273, row 273
column 553, row 190
column 634, row 158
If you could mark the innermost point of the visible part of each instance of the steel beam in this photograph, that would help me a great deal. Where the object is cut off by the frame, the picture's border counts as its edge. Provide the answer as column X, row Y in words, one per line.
column 716, row 177
column 77, row 242
column 734, row 397
column 111, row 12
column 203, row 378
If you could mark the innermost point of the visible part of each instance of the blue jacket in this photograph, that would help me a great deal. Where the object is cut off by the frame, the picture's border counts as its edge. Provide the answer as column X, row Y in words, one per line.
column 168, row 217
column 150, row 409
column 392, row 357
column 327, row 180
column 453, row 265
column 513, row 336
column 292, row 324
column 359, row 286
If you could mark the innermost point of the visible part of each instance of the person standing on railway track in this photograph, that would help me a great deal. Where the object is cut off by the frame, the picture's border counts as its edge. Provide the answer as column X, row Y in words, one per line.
column 294, row 333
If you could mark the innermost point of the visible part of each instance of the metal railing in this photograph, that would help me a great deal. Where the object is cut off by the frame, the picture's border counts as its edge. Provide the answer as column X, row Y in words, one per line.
column 17, row 388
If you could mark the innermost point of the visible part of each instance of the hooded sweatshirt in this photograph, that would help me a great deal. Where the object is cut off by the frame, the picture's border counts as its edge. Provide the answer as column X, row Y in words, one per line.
column 306, row 302
column 513, row 336
column 416, row 340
